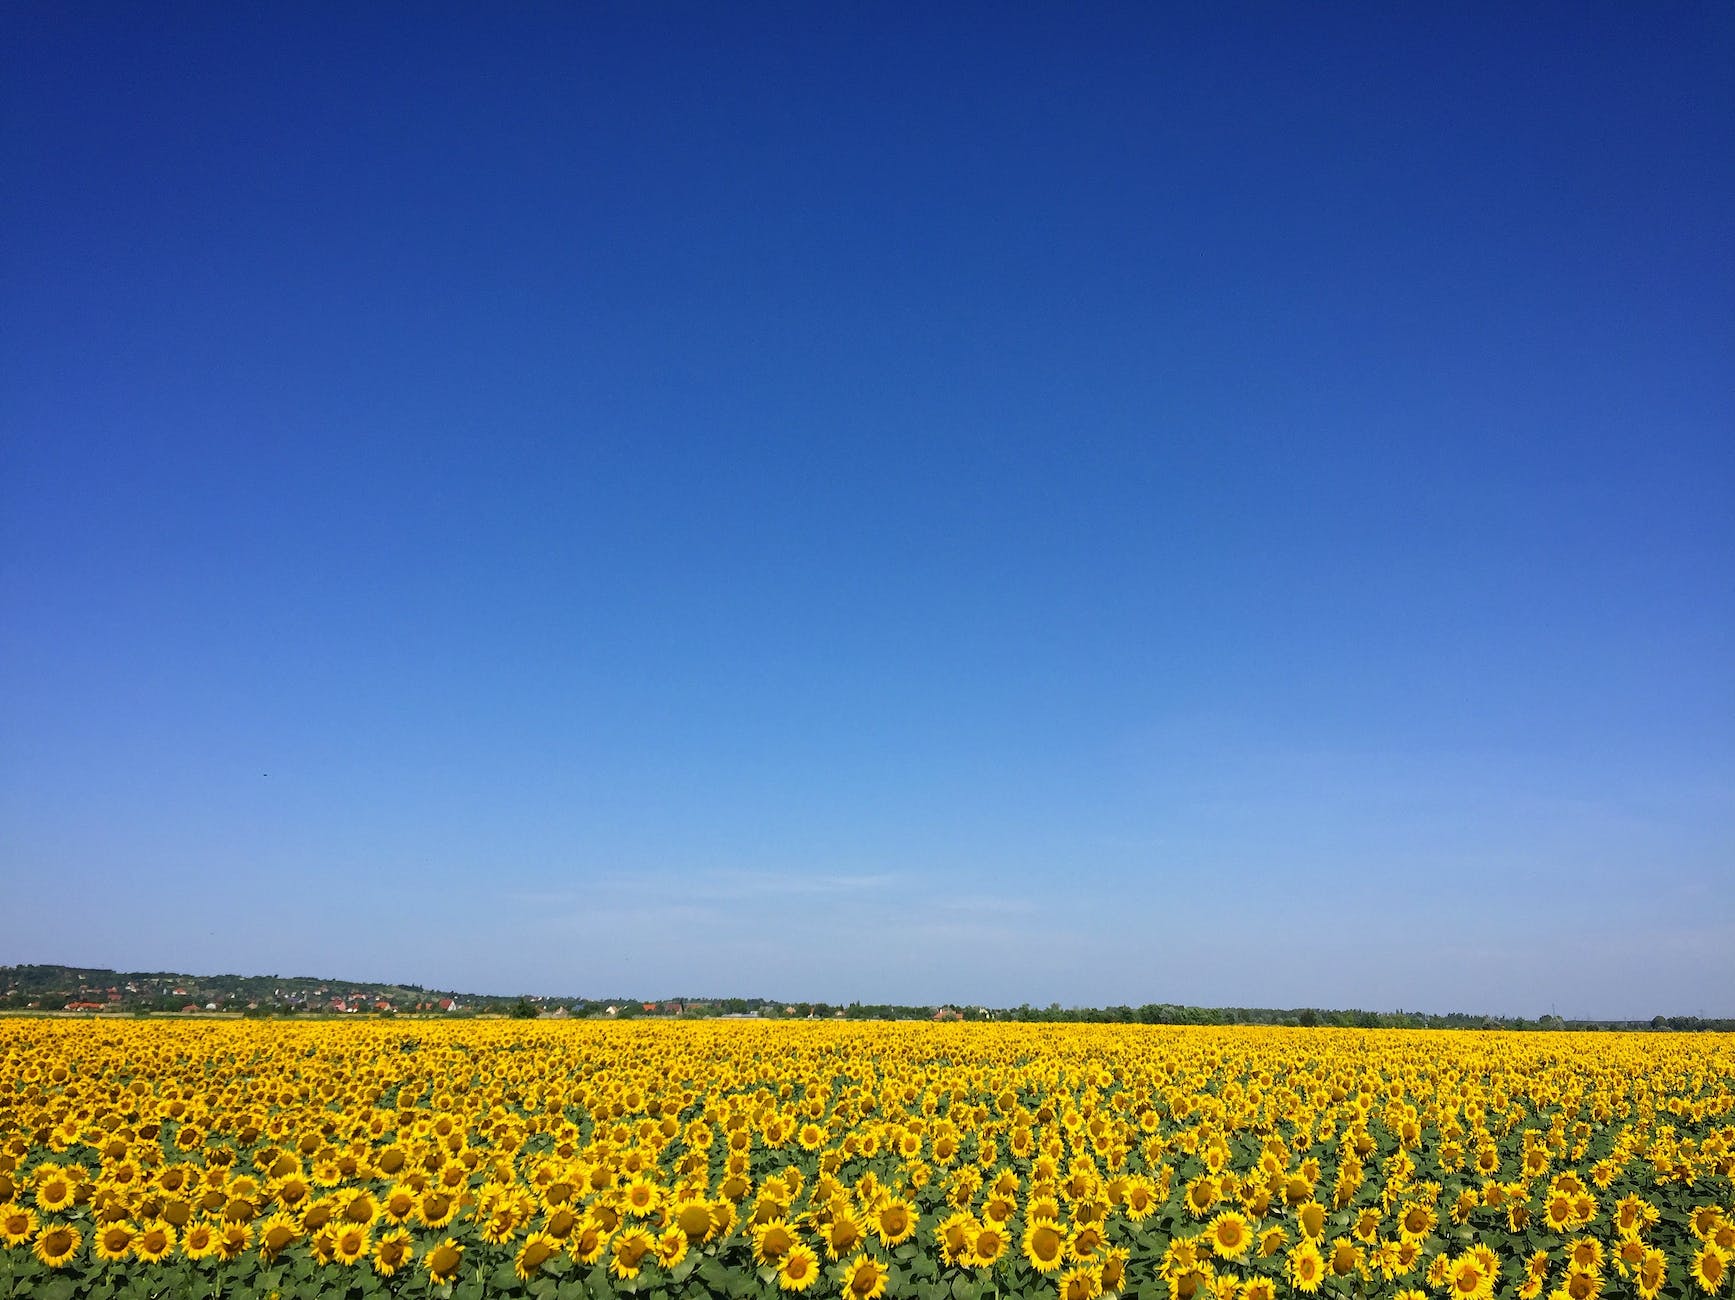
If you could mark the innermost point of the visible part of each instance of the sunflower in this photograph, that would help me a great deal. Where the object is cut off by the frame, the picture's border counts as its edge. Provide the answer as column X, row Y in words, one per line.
column 1201, row 1283
column 631, row 1247
column 590, row 1242
column 501, row 1225
column 1114, row 1269
column 605, row 1215
column 443, row 1261
column 1230, row 1235
column 1262, row 1288
column 1310, row 1215
column 894, row 1222
column 1629, row 1254
column 798, row 1269
column 771, row 1241
column 435, row 1208
column 1081, row 1282
column 1468, row 1203
column 843, row 1234
column 1141, row 1199
column 1469, row 1279
column 154, row 1242
column 988, row 1246
column 1585, row 1255
column 1306, row 1266
column 1346, row 1257
column 1044, row 1245
column 863, row 1278
column 317, row 1214
column 350, row 1243
column 17, row 1224
column 1202, row 1196
column 393, row 1250
column 1181, row 1256
column 1709, row 1270
column 233, row 1239
column 290, row 1190
column 641, row 1197
column 1652, row 1272
column 200, row 1241
column 693, row 1218
column 1439, row 1271
column 1629, row 1214
column 113, row 1241
column 398, row 1204
column 1272, row 1240
column 953, row 1236
column 56, row 1244
column 1085, row 1241
column 538, row 1249
column 276, row 1234
column 55, row 1191
column 671, row 1246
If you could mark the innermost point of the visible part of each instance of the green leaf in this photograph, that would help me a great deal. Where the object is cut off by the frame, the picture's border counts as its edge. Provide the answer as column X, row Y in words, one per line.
column 714, row 1275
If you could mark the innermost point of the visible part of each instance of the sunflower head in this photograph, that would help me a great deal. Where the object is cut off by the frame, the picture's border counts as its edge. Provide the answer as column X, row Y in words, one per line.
column 56, row 1244
column 798, row 1269
column 1709, row 1270
column 443, row 1261
column 863, row 1278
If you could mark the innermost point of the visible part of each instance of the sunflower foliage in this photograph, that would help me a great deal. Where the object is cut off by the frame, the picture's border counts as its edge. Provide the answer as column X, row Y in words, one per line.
column 742, row 1161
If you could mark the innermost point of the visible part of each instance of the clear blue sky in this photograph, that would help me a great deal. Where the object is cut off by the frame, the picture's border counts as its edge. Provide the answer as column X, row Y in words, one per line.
column 1112, row 504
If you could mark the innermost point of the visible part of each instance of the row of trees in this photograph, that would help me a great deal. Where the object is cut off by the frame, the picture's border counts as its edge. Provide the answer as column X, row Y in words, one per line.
column 1163, row 1013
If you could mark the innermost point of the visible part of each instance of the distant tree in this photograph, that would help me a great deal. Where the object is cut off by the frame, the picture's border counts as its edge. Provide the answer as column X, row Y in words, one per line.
column 525, row 1009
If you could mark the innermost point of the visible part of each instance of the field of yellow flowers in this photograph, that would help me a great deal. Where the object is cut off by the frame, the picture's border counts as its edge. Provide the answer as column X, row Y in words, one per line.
column 728, row 1161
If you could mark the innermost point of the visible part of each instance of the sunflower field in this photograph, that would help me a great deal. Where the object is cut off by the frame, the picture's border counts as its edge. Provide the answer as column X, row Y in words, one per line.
column 744, row 1161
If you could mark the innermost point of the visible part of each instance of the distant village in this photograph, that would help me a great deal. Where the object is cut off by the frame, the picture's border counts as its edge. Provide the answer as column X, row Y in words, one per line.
column 83, row 991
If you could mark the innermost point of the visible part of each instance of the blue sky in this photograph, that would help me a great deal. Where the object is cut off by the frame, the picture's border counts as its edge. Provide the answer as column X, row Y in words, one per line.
column 1224, row 504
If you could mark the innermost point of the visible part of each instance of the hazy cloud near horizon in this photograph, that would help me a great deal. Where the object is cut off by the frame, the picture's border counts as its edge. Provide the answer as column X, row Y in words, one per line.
column 1291, row 909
